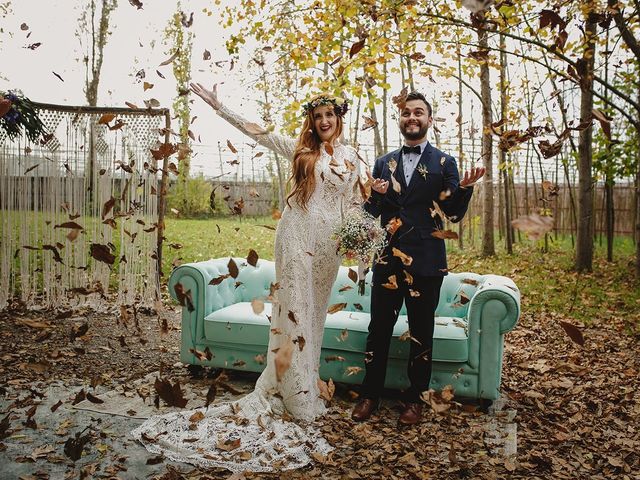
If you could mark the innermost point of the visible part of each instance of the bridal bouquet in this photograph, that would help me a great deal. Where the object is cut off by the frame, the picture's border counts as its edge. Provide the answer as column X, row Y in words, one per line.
column 17, row 112
column 360, row 237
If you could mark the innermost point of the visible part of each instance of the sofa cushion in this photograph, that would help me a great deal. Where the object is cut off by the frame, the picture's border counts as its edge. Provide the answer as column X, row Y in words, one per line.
column 238, row 324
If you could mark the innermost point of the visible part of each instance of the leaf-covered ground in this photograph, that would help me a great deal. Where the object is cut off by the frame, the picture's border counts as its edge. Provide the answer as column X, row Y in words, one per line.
column 576, row 408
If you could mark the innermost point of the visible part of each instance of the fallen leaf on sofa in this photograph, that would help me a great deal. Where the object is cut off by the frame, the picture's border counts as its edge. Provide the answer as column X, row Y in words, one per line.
column 574, row 333
column 344, row 334
column 464, row 298
column 336, row 307
column 257, row 305
column 444, row 234
column 353, row 371
column 414, row 293
column 300, row 341
column 171, row 394
column 334, row 358
column 292, row 317
column 470, row 281
column 327, row 389
column 252, row 258
column 344, row 288
column 202, row 356
column 259, row 359
column 357, row 306
column 408, row 278
column 392, row 284
column 353, row 275
column 233, row 268
column 282, row 359
column 218, row 280
column 404, row 258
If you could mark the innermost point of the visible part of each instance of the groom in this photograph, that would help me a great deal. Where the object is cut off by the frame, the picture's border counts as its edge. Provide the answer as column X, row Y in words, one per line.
column 405, row 185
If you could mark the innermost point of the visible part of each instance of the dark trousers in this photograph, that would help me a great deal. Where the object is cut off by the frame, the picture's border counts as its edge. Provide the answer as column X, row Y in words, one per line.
column 385, row 306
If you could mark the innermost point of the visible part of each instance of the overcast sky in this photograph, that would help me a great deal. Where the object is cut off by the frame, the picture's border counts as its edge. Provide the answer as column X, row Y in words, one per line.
column 136, row 43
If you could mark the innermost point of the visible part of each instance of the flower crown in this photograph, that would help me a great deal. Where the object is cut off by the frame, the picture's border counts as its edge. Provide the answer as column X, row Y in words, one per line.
column 340, row 105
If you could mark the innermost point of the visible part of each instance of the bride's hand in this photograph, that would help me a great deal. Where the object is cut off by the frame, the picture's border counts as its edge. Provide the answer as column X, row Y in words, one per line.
column 209, row 96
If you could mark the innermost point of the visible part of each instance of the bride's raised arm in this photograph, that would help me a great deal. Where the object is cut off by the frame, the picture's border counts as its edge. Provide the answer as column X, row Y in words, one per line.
column 280, row 144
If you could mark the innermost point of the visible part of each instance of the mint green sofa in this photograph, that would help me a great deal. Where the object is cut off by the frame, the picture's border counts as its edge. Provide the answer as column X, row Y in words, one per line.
column 474, row 313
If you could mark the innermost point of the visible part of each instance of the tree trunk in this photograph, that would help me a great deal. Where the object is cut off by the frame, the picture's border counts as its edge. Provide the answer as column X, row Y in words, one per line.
column 609, row 215
column 385, row 140
column 377, row 139
column 637, row 202
column 505, row 167
column 488, row 241
column 460, row 144
column 584, row 244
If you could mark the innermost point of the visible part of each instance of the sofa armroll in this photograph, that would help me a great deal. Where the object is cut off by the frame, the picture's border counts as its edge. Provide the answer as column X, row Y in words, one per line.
column 493, row 311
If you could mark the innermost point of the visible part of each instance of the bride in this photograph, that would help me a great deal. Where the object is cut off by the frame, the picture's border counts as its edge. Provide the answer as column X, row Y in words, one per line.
column 272, row 427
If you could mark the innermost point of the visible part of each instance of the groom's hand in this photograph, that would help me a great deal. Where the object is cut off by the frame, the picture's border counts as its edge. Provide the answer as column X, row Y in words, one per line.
column 378, row 185
column 471, row 177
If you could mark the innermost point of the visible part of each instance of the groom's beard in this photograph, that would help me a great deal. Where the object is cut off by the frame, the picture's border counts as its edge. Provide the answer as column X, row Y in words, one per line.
column 414, row 135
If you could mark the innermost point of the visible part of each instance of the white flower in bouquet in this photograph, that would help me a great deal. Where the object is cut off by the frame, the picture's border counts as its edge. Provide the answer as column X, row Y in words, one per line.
column 360, row 236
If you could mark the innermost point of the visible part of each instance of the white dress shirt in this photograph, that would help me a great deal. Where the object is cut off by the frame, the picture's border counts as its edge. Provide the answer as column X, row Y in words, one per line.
column 410, row 162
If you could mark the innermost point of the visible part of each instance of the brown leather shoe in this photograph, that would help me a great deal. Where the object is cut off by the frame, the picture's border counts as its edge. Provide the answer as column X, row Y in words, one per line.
column 411, row 415
column 363, row 410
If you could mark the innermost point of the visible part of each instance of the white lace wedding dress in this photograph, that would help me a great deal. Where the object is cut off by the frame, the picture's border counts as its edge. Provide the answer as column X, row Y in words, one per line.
column 272, row 428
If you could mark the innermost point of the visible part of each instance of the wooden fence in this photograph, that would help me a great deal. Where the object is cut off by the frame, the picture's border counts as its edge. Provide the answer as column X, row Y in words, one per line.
column 528, row 199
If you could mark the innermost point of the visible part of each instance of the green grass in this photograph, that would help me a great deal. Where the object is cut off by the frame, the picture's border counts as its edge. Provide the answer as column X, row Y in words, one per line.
column 202, row 239
column 547, row 280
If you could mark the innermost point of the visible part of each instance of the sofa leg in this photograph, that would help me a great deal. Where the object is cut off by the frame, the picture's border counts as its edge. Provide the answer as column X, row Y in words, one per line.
column 485, row 405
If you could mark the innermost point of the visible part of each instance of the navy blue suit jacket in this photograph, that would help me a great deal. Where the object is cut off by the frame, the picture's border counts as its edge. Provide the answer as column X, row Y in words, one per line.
column 412, row 205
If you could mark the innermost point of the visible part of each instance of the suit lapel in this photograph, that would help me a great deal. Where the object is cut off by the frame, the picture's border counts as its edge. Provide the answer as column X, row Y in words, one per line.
column 424, row 160
column 396, row 155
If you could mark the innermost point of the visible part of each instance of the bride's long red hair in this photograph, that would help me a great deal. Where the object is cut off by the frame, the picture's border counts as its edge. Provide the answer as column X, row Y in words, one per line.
column 305, row 157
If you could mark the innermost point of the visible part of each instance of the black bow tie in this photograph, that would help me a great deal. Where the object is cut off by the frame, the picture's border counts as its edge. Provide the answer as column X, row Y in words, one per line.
column 406, row 149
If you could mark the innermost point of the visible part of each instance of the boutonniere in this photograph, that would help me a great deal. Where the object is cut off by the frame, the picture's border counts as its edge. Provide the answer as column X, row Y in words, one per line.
column 422, row 170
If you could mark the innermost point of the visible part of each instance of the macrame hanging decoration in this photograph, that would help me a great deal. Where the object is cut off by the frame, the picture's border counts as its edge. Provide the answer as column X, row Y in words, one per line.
column 79, row 210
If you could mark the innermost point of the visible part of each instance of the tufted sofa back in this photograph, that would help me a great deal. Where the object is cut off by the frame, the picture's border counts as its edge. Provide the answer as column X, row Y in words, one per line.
column 254, row 282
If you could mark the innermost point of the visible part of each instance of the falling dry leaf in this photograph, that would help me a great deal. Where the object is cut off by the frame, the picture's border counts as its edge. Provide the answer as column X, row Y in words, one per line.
column 257, row 305
column 327, row 389
column 404, row 258
column 533, row 225
column 392, row 283
column 336, row 307
column 574, row 333
column 283, row 359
